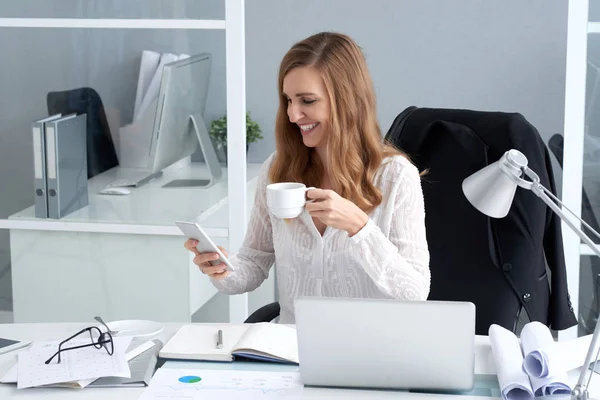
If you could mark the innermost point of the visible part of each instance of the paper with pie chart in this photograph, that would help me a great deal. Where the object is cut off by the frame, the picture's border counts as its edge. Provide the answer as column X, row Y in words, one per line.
column 221, row 384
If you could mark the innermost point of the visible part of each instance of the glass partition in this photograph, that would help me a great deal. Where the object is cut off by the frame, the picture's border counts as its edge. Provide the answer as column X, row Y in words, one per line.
column 116, row 255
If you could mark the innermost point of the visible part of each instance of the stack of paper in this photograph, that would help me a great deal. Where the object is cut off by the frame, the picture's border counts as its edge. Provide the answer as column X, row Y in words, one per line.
column 78, row 368
column 531, row 367
column 142, row 360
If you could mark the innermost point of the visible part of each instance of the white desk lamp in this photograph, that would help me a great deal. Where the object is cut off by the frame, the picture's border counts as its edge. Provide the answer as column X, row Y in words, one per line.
column 491, row 190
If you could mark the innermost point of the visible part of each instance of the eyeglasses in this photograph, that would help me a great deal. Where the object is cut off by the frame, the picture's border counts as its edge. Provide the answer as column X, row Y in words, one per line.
column 98, row 339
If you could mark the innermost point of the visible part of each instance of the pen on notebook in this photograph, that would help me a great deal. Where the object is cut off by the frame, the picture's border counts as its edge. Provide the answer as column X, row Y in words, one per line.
column 220, row 339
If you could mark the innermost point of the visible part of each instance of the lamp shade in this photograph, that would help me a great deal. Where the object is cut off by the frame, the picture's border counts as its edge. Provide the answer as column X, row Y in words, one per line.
column 492, row 189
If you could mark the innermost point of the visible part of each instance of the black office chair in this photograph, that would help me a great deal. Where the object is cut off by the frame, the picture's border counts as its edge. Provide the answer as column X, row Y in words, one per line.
column 556, row 146
column 101, row 152
column 264, row 314
column 472, row 257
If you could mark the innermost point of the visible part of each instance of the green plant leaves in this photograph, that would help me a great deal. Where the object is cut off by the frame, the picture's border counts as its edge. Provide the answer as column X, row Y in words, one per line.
column 218, row 130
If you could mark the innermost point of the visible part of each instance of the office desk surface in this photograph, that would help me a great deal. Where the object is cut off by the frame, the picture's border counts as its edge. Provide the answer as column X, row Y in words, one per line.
column 149, row 209
column 62, row 330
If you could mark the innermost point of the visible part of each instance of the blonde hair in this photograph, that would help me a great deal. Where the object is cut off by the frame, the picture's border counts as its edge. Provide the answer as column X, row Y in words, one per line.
column 355, row 146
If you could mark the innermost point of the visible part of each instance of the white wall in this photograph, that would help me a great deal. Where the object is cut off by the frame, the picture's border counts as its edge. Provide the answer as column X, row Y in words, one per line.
column 506, row 55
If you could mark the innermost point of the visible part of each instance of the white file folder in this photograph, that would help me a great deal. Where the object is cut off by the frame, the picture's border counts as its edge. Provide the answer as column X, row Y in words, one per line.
column 153, row 87
column 148, row 67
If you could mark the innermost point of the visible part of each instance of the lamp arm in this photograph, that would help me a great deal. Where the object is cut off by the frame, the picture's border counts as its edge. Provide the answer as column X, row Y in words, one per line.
column 580, row 391
column 543, row 194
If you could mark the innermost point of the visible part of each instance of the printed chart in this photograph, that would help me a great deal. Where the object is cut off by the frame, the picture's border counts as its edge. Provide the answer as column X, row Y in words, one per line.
column 222, row 384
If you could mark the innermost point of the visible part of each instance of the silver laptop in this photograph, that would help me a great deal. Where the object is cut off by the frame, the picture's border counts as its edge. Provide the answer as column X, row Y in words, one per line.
column 371, row 343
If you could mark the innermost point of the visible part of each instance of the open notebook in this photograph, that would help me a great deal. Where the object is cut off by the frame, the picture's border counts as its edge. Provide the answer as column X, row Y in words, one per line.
column 263, row 341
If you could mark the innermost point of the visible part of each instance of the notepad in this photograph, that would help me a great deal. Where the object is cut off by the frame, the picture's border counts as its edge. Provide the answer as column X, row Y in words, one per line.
column 263, row 341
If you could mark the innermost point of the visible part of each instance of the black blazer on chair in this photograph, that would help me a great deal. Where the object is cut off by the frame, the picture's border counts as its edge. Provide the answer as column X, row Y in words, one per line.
column 498, row 264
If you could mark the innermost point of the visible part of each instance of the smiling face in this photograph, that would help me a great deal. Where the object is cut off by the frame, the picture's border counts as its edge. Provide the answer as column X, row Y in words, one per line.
column 308, row 105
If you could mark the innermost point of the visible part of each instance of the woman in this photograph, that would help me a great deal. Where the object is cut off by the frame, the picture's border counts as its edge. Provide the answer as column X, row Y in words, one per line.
column 364, row 233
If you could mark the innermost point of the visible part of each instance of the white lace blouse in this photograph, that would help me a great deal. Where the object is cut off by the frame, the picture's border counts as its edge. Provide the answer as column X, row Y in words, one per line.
column 388, row 258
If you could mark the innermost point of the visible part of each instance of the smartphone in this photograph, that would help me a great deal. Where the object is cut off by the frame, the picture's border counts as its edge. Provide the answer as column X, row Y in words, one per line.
column 7, row 345
column 192, row 230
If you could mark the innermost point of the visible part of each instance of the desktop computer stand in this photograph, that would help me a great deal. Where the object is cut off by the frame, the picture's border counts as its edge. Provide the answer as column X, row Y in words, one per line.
column 209, row 154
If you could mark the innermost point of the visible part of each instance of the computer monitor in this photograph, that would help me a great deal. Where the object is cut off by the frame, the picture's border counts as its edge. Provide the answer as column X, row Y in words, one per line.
column 177, row 127
column 179, row 122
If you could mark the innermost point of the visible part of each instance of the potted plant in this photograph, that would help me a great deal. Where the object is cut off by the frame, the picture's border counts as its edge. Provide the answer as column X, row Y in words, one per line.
column 218, row 132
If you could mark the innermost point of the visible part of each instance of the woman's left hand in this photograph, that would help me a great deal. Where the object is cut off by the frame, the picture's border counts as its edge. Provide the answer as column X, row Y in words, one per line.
column 335, row 211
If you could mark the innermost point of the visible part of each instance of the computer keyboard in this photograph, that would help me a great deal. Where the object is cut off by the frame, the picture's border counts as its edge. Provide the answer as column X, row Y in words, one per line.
column 122, row 183
column 134, row 179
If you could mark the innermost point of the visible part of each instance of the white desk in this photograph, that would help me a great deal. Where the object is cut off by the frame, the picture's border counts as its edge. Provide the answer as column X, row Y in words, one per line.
column 60, row 331
column 120, row 257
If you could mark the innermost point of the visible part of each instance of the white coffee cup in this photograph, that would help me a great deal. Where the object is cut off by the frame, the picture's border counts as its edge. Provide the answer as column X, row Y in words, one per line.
column 286, row 199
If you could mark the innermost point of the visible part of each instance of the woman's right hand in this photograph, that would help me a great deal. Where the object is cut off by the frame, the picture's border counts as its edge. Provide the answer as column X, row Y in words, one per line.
column 202, row 260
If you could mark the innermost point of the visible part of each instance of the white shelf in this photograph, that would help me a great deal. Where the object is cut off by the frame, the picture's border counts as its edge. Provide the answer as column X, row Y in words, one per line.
column 593, row 27
column 64, row 226
column 111, row 23
column 148, row 210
